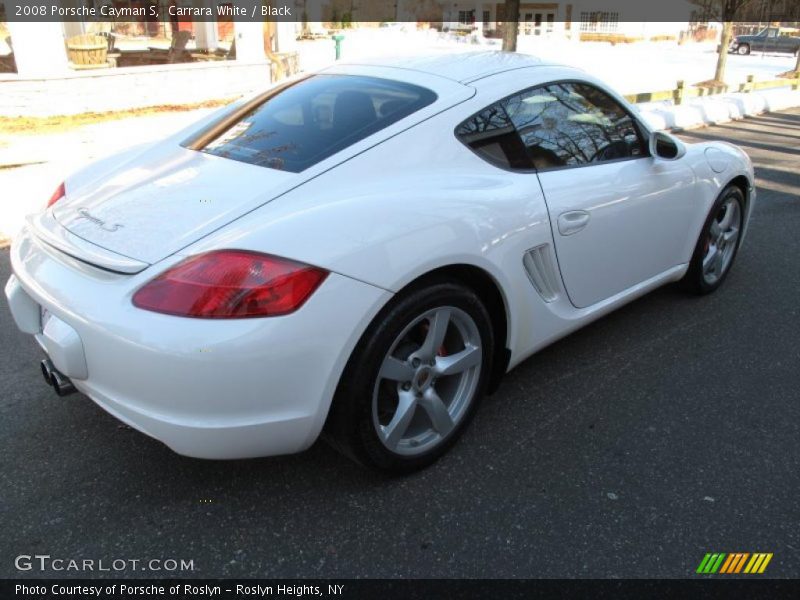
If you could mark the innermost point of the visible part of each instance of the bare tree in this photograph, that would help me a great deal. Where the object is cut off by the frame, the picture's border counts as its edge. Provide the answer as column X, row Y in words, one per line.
column 511, row 26
column 797, row 65
column 419, row 10
column 725, row 12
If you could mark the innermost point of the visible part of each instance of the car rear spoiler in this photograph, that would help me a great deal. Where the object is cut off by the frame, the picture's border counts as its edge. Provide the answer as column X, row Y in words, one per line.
column 47, row 230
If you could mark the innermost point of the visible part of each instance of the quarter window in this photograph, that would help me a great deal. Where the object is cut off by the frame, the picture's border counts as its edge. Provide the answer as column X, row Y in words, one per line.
column 491, row 134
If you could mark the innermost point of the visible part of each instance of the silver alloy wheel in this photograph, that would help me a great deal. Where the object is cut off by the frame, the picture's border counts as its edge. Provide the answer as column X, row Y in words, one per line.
column 743, row 49
column 723, row 235
column 427, row 381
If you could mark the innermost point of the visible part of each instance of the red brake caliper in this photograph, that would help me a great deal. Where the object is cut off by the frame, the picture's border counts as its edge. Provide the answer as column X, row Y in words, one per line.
column 441, row 351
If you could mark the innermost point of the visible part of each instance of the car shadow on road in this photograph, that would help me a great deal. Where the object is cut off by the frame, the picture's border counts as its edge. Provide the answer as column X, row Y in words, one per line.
column 777, row 119
column 745, row 143
column 726, row 128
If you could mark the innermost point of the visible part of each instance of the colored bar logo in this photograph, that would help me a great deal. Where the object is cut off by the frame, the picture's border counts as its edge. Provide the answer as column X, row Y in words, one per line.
column 734, row 563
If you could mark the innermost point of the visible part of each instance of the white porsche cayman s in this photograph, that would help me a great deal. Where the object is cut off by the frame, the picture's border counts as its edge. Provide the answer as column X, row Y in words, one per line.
column 364, row 252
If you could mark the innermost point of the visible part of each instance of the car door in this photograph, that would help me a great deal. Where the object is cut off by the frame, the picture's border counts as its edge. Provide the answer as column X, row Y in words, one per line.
column 619, row 217
column 770, row 41
column 757, row 42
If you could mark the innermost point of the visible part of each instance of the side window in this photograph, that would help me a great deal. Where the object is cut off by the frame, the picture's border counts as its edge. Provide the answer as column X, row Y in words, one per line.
column 572, row 124
column 491, row 134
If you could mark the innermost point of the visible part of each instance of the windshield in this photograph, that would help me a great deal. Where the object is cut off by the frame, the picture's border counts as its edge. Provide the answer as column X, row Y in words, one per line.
column 314, row 118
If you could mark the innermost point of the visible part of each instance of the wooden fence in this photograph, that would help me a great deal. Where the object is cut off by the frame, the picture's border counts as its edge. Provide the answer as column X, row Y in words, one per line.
column 682, row 93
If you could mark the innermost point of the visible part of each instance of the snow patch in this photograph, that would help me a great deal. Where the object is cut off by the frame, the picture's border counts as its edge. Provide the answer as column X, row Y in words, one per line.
column 712, row 110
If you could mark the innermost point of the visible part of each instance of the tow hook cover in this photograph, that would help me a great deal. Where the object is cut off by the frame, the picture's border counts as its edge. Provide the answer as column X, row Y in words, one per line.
column 64, row 347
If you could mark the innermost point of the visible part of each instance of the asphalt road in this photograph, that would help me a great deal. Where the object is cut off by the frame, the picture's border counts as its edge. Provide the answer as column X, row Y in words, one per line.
column 669, row 429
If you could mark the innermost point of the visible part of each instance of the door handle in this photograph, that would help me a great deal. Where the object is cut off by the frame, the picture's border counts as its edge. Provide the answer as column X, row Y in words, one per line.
column 572, row 221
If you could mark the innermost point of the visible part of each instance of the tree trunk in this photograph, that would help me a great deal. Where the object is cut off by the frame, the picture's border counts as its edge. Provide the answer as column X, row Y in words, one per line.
column 722, row 60
column 511, row 26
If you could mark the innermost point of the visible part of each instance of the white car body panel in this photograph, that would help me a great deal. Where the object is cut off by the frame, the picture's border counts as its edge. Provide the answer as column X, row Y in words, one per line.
column 463, row 68
column 397, row 205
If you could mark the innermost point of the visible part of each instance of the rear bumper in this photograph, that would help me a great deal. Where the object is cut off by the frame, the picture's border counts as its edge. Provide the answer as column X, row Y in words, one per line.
column 208, row 389
column 269, row 434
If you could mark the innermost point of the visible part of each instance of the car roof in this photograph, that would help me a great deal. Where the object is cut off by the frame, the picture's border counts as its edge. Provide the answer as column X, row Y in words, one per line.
column 463, row 67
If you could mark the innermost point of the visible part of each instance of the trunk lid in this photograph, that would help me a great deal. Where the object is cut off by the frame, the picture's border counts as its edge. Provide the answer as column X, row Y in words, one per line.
column 166, row 201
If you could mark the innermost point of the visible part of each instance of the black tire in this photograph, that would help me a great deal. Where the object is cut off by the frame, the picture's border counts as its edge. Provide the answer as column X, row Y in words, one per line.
column 743, row 49
column 350, row 427
column 695, row 281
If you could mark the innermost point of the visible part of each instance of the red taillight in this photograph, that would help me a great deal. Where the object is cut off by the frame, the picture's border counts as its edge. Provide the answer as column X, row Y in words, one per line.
column 231, row 284
column 57, row 195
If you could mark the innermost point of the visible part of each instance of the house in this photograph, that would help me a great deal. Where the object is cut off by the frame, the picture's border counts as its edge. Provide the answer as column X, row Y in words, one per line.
column 611, row 20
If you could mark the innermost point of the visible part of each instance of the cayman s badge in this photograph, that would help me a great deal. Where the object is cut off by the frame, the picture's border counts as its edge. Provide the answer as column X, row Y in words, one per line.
column 85, row 214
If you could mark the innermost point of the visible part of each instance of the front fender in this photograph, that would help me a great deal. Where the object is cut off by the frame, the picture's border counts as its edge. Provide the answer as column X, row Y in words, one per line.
column 716, row 165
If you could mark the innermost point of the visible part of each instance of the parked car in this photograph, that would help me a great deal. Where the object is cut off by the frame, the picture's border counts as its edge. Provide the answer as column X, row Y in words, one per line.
column 364, row 252
column 771, row 39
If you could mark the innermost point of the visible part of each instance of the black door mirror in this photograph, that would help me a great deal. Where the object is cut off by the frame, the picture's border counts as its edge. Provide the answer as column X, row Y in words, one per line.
column 666, row 146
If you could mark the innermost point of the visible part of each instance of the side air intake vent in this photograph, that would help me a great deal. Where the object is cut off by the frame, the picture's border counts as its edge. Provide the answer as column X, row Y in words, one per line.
column 541, row 271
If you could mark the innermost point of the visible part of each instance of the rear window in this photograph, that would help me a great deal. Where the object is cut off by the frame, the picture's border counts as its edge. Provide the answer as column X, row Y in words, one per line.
column 305, row 123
